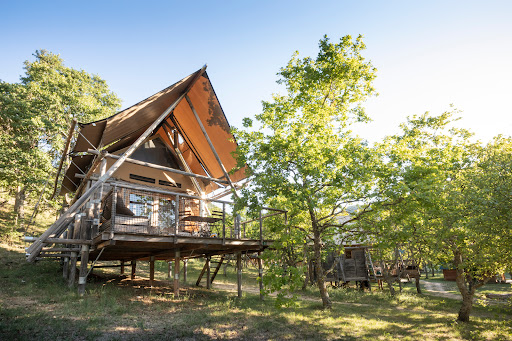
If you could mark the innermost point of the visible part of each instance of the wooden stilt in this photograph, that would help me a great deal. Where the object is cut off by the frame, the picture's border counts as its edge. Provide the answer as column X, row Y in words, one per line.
column 208, row 258
column 239, row 273
column 65, row 268
column 152, row 270
column 260, row 275
column 169, row 269
column 122, row 267
column 72, row 269
column 177, row 274
column 185, row 262
column 82, row 278
column 134, row 266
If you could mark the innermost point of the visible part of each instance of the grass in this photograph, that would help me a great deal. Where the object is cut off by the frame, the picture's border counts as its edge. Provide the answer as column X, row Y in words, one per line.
column 35, row 304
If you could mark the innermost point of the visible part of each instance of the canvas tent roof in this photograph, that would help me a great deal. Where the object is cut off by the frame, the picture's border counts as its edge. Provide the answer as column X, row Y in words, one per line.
column 122, row 129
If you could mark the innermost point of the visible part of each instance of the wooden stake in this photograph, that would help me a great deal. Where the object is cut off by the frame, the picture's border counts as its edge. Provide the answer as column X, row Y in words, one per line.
column 239, row 273
column 177, row 273
column 169, row 269
column 122, row 267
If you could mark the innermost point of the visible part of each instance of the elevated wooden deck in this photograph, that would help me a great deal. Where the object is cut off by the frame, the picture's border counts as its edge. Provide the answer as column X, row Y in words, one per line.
column 129, row 246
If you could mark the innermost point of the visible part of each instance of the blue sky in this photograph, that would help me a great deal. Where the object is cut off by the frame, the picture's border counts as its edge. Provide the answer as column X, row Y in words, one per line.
column 428, row 54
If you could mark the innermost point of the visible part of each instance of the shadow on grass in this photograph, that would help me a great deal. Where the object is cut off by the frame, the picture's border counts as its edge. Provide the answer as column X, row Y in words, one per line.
column 36, row 304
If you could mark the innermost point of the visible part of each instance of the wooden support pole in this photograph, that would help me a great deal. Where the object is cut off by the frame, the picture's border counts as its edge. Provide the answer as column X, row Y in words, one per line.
column 211, row 145
column 122, row 267
column 82, row 278
column 223, row 223
column 239, row 273
column 169, row 269
column 72, row 269
column 260, row 274
column 64, row 154
column 177, row 273
column 134, row 267
column 208, row 259
column 151, row 270
column 185, row 263
column 65, row 268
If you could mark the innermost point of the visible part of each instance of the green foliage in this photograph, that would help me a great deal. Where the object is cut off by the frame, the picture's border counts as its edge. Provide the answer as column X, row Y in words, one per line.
column 454, row 199
column 302, row 154
column 35, row 115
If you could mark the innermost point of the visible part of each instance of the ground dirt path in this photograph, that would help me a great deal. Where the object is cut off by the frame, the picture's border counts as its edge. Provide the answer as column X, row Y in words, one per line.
column 438, row 289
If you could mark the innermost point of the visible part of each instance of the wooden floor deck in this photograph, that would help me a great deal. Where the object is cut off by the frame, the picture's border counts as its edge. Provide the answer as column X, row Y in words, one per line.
column 126, row 246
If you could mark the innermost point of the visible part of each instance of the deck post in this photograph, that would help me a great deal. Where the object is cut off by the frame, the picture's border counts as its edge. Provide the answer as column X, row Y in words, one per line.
column 239, row 273
column 122, row 267
column 65, row 266
column 134, row 267
column 177, row 273
column 185, row 262
column 223, row 223
column 176, row 218
column 260, row 274
column 72, row 269
column 169, row 269
column 151, row 270
column 82, row 278
column 208, row 258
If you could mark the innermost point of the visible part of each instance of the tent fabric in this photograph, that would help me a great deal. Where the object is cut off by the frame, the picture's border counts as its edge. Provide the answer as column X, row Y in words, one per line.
column 122, row 129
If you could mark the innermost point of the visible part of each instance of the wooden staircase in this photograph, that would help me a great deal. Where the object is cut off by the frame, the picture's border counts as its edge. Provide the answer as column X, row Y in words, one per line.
column 207, row 264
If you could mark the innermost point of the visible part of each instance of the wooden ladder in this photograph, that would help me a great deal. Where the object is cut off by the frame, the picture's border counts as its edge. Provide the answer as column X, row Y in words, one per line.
column 369, row 265
column 217, row 267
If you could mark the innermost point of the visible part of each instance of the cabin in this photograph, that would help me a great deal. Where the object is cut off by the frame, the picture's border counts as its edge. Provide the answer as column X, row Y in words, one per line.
column 148, row 184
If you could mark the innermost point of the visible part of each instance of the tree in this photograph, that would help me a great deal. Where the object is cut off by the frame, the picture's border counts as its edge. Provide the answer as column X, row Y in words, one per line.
column 303, row 150
column 454, row 200
column 35, row 113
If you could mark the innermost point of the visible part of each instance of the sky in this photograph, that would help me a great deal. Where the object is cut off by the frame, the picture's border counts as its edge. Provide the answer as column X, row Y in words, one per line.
column 428, row 54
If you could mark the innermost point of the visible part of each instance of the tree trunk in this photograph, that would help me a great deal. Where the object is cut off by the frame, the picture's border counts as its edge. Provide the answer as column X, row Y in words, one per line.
column 19, row 206
column 326, row 301
column 426, row 270
column 466, row 288
column 418, row 287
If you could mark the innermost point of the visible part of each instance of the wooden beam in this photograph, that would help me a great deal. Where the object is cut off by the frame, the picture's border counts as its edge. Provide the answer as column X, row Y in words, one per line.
column 67, row 241
column 35, row 248
column 155, row 166
column 211, row 145
column 64, row 152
